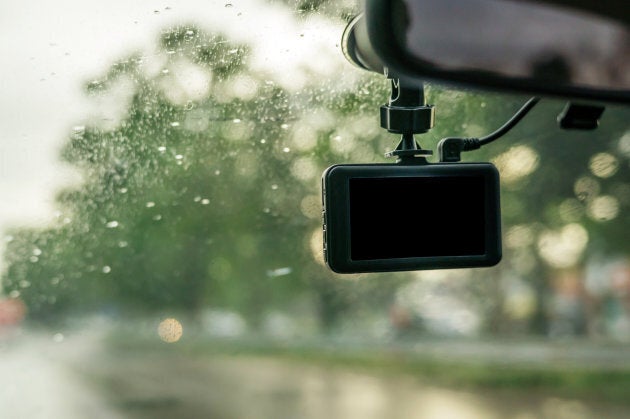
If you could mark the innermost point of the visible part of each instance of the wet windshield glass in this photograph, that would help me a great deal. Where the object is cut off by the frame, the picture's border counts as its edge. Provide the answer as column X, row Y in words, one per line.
column 161, row 246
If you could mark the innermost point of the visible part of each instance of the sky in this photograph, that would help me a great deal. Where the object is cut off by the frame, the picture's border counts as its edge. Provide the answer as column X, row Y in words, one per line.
column 50, row 49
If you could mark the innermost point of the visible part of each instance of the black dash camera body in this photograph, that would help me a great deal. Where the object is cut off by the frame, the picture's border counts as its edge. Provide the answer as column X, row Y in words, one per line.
column 387, row 217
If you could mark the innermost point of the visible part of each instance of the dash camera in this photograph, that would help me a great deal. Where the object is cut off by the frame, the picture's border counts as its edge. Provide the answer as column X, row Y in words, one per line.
column 387, row 217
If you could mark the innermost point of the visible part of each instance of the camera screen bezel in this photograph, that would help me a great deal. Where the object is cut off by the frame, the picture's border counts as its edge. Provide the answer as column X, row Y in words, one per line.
column 336, row 216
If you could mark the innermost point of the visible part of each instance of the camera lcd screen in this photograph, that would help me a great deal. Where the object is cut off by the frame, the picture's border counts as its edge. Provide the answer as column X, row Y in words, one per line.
column 392, row 218
column 436, row 216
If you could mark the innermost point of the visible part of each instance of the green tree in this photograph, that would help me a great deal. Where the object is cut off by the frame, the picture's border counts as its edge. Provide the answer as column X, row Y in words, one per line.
column 190, row 202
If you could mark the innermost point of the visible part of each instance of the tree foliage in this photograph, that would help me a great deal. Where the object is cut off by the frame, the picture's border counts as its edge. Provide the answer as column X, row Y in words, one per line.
column 205, row 193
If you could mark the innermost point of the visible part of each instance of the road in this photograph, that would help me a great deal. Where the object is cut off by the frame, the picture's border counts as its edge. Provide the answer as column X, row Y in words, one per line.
column 53, row 376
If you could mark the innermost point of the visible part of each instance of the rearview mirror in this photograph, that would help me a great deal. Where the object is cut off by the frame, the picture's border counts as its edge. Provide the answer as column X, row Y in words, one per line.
column 554, row 47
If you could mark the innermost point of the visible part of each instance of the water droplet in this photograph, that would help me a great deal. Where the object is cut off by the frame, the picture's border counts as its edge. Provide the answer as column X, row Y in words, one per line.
column 33, row 259
column 274, row 187
column 106, row 269
column 217, row 172
column 236, row 121
column 123, row 190
column 284, row 126
column 161, row 149
column 205, row 201
column 286, row 149
column 175, row 124
column 157, row 217
column 24, row 284
column 165, row 71
column 266, row 210
column 150, row 204
column 179, row 156
column 190, row 33
column 122, row 244
column 37, row 251
column 14, row 294
column 112, row 224
column 279, row 272
column 263, row 141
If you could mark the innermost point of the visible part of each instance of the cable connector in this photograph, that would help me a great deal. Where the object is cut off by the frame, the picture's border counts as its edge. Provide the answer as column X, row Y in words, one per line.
column 450, row 149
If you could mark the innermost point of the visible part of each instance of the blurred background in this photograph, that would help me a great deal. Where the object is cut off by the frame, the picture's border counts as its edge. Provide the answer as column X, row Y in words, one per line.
column 160, row 171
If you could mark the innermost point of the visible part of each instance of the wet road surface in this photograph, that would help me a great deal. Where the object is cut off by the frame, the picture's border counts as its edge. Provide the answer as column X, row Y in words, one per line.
column 75, row 377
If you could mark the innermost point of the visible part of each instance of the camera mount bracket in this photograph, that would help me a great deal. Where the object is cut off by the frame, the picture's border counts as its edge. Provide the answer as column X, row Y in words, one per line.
column 407, row 114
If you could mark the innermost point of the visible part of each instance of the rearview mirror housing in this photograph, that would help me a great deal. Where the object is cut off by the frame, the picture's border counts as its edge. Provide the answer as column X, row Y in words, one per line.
column 560, row 48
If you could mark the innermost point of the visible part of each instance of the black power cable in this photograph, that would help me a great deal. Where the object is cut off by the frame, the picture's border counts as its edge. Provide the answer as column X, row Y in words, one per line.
column 450, row 149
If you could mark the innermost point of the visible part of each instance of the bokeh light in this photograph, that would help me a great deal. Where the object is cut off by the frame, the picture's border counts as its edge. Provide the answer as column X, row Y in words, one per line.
column 624, row 144
column 519, row 236
column 571, row 210
column 586, row 188
column 170, row 330
column 563, row 248
column 603, row 165
column 517, row 163
column 603, row 208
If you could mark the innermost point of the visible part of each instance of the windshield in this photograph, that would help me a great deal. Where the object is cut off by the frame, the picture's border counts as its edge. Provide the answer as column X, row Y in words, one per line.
column 161, row 251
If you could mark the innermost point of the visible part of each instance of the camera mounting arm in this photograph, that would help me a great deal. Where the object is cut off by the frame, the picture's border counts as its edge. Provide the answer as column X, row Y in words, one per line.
column 407, row 114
